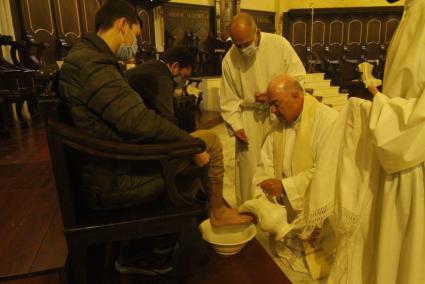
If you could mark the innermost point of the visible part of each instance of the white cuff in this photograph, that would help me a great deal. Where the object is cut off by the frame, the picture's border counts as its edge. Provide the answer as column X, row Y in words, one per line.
column 292, row 193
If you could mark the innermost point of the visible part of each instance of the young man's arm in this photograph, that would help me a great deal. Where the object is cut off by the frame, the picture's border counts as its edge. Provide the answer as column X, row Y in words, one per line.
column 107, row 94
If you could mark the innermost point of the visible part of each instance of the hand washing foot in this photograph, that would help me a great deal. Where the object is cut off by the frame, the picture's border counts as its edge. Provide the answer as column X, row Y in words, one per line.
column 271, row 216
column 225, row 216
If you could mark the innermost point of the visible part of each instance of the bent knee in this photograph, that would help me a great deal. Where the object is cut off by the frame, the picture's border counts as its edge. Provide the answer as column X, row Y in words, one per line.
column 211, row 139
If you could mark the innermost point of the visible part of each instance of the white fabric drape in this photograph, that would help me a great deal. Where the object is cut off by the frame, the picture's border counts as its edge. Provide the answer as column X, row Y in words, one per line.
column 6, row 25
column 370, row 177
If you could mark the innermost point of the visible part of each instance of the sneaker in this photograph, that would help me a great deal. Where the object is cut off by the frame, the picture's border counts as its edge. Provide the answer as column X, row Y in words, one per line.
column 151, row 267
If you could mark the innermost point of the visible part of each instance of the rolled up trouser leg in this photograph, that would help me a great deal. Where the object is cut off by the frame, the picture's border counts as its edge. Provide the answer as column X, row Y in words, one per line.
column 214, row 148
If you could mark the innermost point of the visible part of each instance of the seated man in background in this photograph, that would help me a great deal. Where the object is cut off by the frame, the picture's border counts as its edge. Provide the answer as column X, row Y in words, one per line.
column 288, row 160
column 102, row 104
column 155, row 81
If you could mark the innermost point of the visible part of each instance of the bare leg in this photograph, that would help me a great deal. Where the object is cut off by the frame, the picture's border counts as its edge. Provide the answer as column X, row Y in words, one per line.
column 212, row 178
column 220, row 214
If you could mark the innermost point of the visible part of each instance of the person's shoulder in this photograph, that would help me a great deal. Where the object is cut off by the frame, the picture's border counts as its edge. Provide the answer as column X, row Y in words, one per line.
column 152, row 63
column 274, row 42
column 84, row 60
column 83, row 53
column 227, row 56
column 326, row 113
column 232, row 57
column 149, row 68
column 273, row 37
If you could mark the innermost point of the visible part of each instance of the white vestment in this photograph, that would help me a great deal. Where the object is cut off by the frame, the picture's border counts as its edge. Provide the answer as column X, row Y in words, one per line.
column 295, row 185
column 369, row 179
column 242, row 78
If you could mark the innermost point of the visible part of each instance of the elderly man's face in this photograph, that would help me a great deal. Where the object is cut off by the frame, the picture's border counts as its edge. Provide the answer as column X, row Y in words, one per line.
column 286, row 106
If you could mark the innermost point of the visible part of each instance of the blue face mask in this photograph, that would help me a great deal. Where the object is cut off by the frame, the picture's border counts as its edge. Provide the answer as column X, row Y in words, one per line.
column 179, row 82
column 126, row 52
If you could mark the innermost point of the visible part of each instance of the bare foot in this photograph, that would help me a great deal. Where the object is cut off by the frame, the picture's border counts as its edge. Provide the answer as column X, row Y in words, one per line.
column 228, row 216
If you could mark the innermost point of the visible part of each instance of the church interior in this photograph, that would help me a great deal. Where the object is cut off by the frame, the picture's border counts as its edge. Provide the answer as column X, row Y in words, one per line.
column 47, row 237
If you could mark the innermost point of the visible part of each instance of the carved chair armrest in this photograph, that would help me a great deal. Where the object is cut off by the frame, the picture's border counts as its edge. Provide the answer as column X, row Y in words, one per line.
column 88, row 144
column 18, row 79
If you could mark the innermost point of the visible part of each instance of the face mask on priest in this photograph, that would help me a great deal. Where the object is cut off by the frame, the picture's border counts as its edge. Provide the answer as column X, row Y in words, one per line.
column 249, row 49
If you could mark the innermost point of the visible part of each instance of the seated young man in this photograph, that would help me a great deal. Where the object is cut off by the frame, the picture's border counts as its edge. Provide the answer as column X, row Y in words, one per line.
column 155, row 81
column 103, row 104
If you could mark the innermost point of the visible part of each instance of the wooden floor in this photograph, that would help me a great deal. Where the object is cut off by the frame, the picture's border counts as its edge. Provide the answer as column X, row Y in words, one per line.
column 32, row 247
column 30, row 222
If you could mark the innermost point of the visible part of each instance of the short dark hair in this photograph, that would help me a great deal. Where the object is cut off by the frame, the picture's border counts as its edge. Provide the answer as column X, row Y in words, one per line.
column 183, row 55
column 113, row 10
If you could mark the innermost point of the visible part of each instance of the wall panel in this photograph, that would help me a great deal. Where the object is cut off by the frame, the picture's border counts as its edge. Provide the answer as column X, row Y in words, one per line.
column 88, row 10
column 38, row 22
column 340, row 26
column 68, row 23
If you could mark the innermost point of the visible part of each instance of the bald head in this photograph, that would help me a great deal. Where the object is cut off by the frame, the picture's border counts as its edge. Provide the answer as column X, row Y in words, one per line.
column 284, row 85
column 243, row 29
column 286, row 97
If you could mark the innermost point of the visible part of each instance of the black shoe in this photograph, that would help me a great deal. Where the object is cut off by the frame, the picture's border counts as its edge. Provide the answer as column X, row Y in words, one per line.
column 154, row 266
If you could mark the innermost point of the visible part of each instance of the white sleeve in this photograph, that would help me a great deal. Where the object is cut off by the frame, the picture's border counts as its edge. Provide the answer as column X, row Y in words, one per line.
column 395, row 122
column 230, row 102
column 294, row 66
column 265, row 168
column 296, row 186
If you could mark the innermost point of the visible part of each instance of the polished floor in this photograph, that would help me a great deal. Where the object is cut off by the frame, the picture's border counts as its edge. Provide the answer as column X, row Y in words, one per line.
column 30, row 222
column 33, row 250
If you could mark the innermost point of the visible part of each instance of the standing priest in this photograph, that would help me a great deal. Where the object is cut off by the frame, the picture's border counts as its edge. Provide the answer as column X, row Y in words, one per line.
column 251, row 63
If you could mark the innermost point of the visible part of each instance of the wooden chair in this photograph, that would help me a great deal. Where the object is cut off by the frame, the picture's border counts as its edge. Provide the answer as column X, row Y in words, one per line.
column 4, row 119
column 333, row 62
column 83, row 227
column 23, row 60
column 16, row 86
column 315, row 59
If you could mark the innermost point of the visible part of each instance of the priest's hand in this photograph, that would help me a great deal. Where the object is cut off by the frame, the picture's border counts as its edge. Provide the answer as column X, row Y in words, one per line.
column 241, row 136
column 201, row 159
column 272, row 187
column 372, row 89
column 261, row 97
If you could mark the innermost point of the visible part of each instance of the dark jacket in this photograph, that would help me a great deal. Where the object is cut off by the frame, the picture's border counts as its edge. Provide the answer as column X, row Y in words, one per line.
column 154, row 83
column 103, row 104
